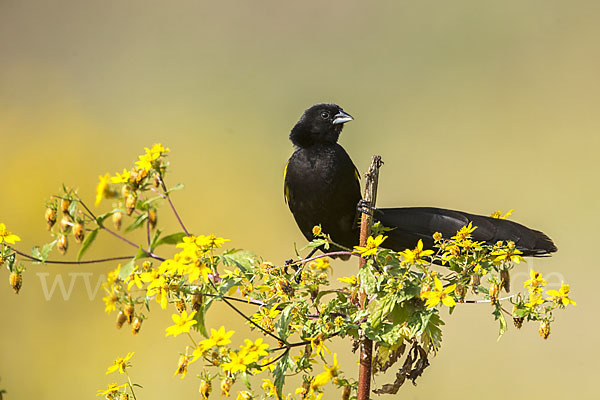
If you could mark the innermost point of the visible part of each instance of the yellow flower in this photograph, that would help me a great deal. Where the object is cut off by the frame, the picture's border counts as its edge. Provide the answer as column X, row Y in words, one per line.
column 112, row 389
column 157, row 287
column 534, row 300
column 318, row 346
column 196, row 269
column 144, row 162
column 120, row 364
column 7, row 236
column 351, row 280
column 439, row 294
column 464, row 232
column 536, row 283
column 561, row 296
column 134, row 279
column 183, row 323
column 217, row 338
column 498, row 214
column 157, row 150
column 416, row 256
column 320, row 264
column 370, row 247
column 210, row 241
column 327, row 375
column 269, row 388
column 101, row 187
column 110, row 301
column 507, row 254
column 238, row 363
column 121, row 178
column 265, row 316
column 253, row 351
column 244, row 395
column 437, row 236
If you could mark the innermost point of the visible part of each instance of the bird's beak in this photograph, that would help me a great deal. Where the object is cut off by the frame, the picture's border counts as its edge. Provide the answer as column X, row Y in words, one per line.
column 341, row 118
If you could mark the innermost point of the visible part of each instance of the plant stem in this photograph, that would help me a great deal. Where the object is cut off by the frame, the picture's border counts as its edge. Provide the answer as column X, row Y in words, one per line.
column 366, row 345
column 166, row 195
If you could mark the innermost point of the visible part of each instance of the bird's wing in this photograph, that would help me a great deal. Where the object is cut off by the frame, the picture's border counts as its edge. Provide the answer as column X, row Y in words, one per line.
column 413, row 223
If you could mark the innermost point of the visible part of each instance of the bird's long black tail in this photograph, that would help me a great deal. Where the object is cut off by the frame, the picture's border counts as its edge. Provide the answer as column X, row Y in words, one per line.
column 414, row 223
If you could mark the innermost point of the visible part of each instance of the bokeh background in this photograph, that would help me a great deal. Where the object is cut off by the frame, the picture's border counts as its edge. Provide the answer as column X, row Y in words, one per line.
column 474, row 105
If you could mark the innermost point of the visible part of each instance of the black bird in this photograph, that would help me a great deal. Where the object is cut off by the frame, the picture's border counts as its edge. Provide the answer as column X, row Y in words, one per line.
column 322, row 187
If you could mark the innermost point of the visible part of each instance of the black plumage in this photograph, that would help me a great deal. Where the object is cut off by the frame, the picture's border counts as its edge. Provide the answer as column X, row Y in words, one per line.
column 322, row 187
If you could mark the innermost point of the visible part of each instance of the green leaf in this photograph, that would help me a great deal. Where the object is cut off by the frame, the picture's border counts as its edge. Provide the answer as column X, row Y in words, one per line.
column 127, row 268
column 139, row 221
column 243, row 259
column 42, row 253
column 279, row 372
column 87, row 243
column 200, row 326
column 179, row 186
column 368, row 280
column 499, row 315
column 100, row 218
column 169, row 239
column 283, row 323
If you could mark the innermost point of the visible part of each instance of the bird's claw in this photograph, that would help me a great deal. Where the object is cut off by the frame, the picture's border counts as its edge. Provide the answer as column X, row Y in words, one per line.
column 364, row 207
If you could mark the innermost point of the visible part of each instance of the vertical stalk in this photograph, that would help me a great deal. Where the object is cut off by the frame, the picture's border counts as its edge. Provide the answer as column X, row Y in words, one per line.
column 366, row 345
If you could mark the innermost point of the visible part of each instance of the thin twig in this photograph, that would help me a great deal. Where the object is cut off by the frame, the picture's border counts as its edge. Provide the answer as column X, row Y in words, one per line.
column 166, row 194
column 234, row 308
column 31, row 258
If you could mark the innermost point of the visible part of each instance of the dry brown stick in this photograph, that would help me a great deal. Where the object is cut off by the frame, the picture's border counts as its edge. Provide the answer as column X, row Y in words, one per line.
column 366, row 345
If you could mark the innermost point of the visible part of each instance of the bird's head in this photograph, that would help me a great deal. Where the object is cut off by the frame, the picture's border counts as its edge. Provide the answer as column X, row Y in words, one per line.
column 321, row 123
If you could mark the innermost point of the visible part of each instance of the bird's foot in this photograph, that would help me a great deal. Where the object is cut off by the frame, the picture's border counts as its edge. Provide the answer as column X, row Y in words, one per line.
column 364, row 207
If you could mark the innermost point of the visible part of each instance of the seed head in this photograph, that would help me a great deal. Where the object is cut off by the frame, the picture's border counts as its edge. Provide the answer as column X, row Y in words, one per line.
column 16, row 281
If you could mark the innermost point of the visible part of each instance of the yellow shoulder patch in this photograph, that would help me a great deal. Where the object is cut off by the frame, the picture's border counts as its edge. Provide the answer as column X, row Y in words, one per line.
column 356, row 173
column 285, row 170
column 286, row 194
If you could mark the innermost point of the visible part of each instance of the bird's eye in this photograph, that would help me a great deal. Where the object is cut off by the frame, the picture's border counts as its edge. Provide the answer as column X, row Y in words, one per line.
column 325, row 115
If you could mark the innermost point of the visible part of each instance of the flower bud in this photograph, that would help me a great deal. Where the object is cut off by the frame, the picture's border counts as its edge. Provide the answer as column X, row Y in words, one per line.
column 346, row 393
column 475, row 282
column 147, row 265
column 225, row 386
column 494, row 289
column 156, row 182
column 285, row 287
column 518, row 321
column 152, row 217
column 180, row 305
column 129, row 311
column 505, row 280
column 139, row 175
column 62, row 244
column 205, row 389
column 50, row 217
column 121, row 318
column 130, row 203
column 182, row 366
column 125, row 191
column 78, row 232
column 116, row 218
column 16, row 281
column 196, row 302
column 316, row 230
column 123, row 396
column 544, row 329
column 65, row 224
column 137, row 325
column 64, row 205
column 461, row 291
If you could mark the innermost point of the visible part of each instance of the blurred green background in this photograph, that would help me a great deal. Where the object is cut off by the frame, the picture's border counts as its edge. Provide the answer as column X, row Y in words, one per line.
column 474, row 105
